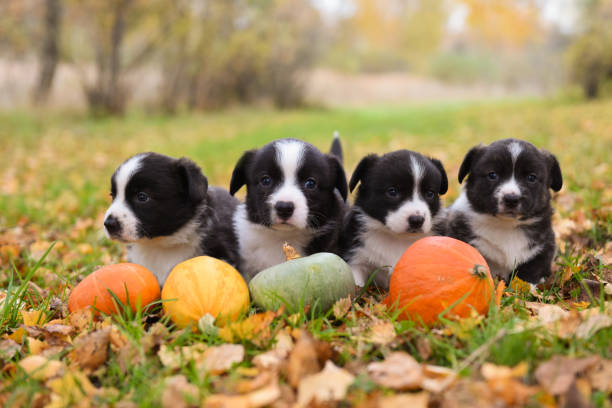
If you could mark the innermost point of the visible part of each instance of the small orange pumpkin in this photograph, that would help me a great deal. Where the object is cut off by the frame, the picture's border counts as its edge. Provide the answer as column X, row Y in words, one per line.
column 436, row 272
column 140, row 283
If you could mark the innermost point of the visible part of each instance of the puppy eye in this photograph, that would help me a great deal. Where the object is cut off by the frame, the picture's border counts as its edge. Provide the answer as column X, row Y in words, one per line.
column 142, row 197
column 310, row 183
column 392, row 192
column 265, row 181
column 532, row 178
column 492, row 175
column 429, row 194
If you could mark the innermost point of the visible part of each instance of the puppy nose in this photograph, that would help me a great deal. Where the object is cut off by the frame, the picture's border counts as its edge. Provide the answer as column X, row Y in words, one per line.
column 416, row 221
column 112, row 225
column 511, row 200
column 284, row 209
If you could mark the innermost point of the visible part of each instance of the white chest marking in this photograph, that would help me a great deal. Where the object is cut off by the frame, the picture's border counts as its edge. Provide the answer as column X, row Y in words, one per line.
column 261, row 247
column 380, row 248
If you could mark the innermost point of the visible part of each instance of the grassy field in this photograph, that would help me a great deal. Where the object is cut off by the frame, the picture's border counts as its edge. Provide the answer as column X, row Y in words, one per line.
column 54, row 188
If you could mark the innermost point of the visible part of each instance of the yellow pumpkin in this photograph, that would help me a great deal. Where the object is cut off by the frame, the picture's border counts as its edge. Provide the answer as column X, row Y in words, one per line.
column 204, row 285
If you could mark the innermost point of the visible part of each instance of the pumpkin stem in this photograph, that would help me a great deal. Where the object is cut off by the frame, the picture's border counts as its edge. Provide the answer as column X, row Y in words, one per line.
column 479, row 271
column 290, row 252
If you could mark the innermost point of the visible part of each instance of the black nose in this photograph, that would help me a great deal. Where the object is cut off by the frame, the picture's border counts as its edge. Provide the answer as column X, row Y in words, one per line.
column 416, row 221
column 511, row 200
column 112, row 225
column 284, row 209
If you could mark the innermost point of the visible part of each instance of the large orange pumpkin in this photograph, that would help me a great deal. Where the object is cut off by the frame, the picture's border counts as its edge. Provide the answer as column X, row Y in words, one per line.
column 436, row 272
column 204, row 285
column 140, row 284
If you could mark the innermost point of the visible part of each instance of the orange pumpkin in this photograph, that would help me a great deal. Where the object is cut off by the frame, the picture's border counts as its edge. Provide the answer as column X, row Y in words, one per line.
column 436, row 272
column 140, row 284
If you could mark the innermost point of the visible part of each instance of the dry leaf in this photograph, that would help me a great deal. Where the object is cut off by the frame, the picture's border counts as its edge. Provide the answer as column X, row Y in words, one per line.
column 415, row 400
column 600, row 375
column 36, row 346
column 494, row 372
column 256, row 399
column 381, row 332
column 8, row 349
column 341, row 307
column 42, row 368
column 436, row 378
column 557, row 374
column 330, row 384
column 272, row 359
column 179, row 393
column 303, row 359
column 32, row 318
column 91, row 350
column 81, row 319
column 592, row 324
column 399, row 371
column 221, row 358
column 255, row 328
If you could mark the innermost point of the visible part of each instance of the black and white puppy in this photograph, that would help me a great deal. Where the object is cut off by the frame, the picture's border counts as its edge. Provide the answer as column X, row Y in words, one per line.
column 396, row 204
column 295, row 194
column 163, row 209
column 504, row 209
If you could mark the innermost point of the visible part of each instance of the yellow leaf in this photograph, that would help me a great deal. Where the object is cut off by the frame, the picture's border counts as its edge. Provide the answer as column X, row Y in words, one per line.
column 17, row 335
column 32, row 318
column 519, row 286
column 41, row 368
column 255, row 328
column 330, row 384
column 36, row 346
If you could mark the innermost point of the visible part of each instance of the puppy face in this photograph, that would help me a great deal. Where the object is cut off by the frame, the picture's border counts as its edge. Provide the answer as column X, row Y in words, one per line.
column 400, row 189
column 153, row 195
column 510, row 178
column 290, row 184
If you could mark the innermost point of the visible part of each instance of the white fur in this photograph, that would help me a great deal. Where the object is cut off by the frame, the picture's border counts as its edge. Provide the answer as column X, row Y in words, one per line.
column 509, row 187
column 289, row 156
column 261, row 247
column 397, row 221
column 515, row 149
column 161, row 254
column 119, row 207
column 380, row 248
column 498, row 238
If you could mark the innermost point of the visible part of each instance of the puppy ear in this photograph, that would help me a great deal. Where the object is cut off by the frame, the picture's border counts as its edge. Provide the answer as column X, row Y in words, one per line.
column 340, row 176
column 194, row 180
column 361, row 169
column 556, row 179
column 444, row 178
column 239, row 175
column 468, row 160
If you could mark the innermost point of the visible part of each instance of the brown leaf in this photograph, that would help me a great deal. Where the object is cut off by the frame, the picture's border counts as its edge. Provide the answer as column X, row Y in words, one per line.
column 399, row 371
column 413, row 400
column 42, row 368
column 600, row 375
column 381, row 332
column 330, row 384
column 219, row 359
column 272, row 359
column 557, row 374
column 81, row 319
column 494, row 372
column 424, row 348
column 341, row 307
column 256, row 399
column 255, row 328
column 303, row 359
column 156, row 336
column 592, row 325
column 179, row 393
column 8, row 349
column 91, row 350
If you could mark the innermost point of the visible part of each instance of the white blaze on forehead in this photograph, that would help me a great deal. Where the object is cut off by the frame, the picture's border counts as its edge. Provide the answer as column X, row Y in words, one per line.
column 397, row 220
column 515, row 149
column 289, row 155
column 119, row 207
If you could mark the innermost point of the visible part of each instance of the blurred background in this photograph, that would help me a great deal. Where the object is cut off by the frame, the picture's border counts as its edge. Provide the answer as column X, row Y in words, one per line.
column 106, row 57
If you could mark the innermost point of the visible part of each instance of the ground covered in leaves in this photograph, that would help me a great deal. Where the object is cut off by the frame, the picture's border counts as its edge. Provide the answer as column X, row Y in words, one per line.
column 550, row 347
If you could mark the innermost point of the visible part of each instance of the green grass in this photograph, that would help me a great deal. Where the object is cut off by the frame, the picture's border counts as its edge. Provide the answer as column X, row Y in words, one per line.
column 54, row 187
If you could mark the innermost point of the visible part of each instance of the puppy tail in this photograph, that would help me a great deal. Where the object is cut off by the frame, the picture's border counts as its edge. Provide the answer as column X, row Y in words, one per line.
column 336, row 147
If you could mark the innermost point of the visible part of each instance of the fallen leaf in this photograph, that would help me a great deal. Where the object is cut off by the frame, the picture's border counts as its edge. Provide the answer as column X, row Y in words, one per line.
column 255, row 328
column 551, row 313
column 219, row 359
column 494, row 372
column 592, row 324
column 381, row 332
column 32, row 318
column 18, row 335
column 600, row 375
column 330, row 384
column 41, row 368
column 8, row 349
column 341, row 307
column 256, row 399
column 303, row 359
column 399, row 371
column 557, row 374
column 179, row 393
column 36, row 346
column 436, row 378
column 91, row 350
column 272, row 359
column 415, row 400
column 81, row 320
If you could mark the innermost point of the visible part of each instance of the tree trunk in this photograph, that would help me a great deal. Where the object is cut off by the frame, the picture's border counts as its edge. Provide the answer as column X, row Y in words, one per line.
column 50, row 50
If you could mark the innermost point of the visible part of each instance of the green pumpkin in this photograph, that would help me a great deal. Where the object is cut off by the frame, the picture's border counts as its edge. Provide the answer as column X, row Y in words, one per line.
column 317, row 280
